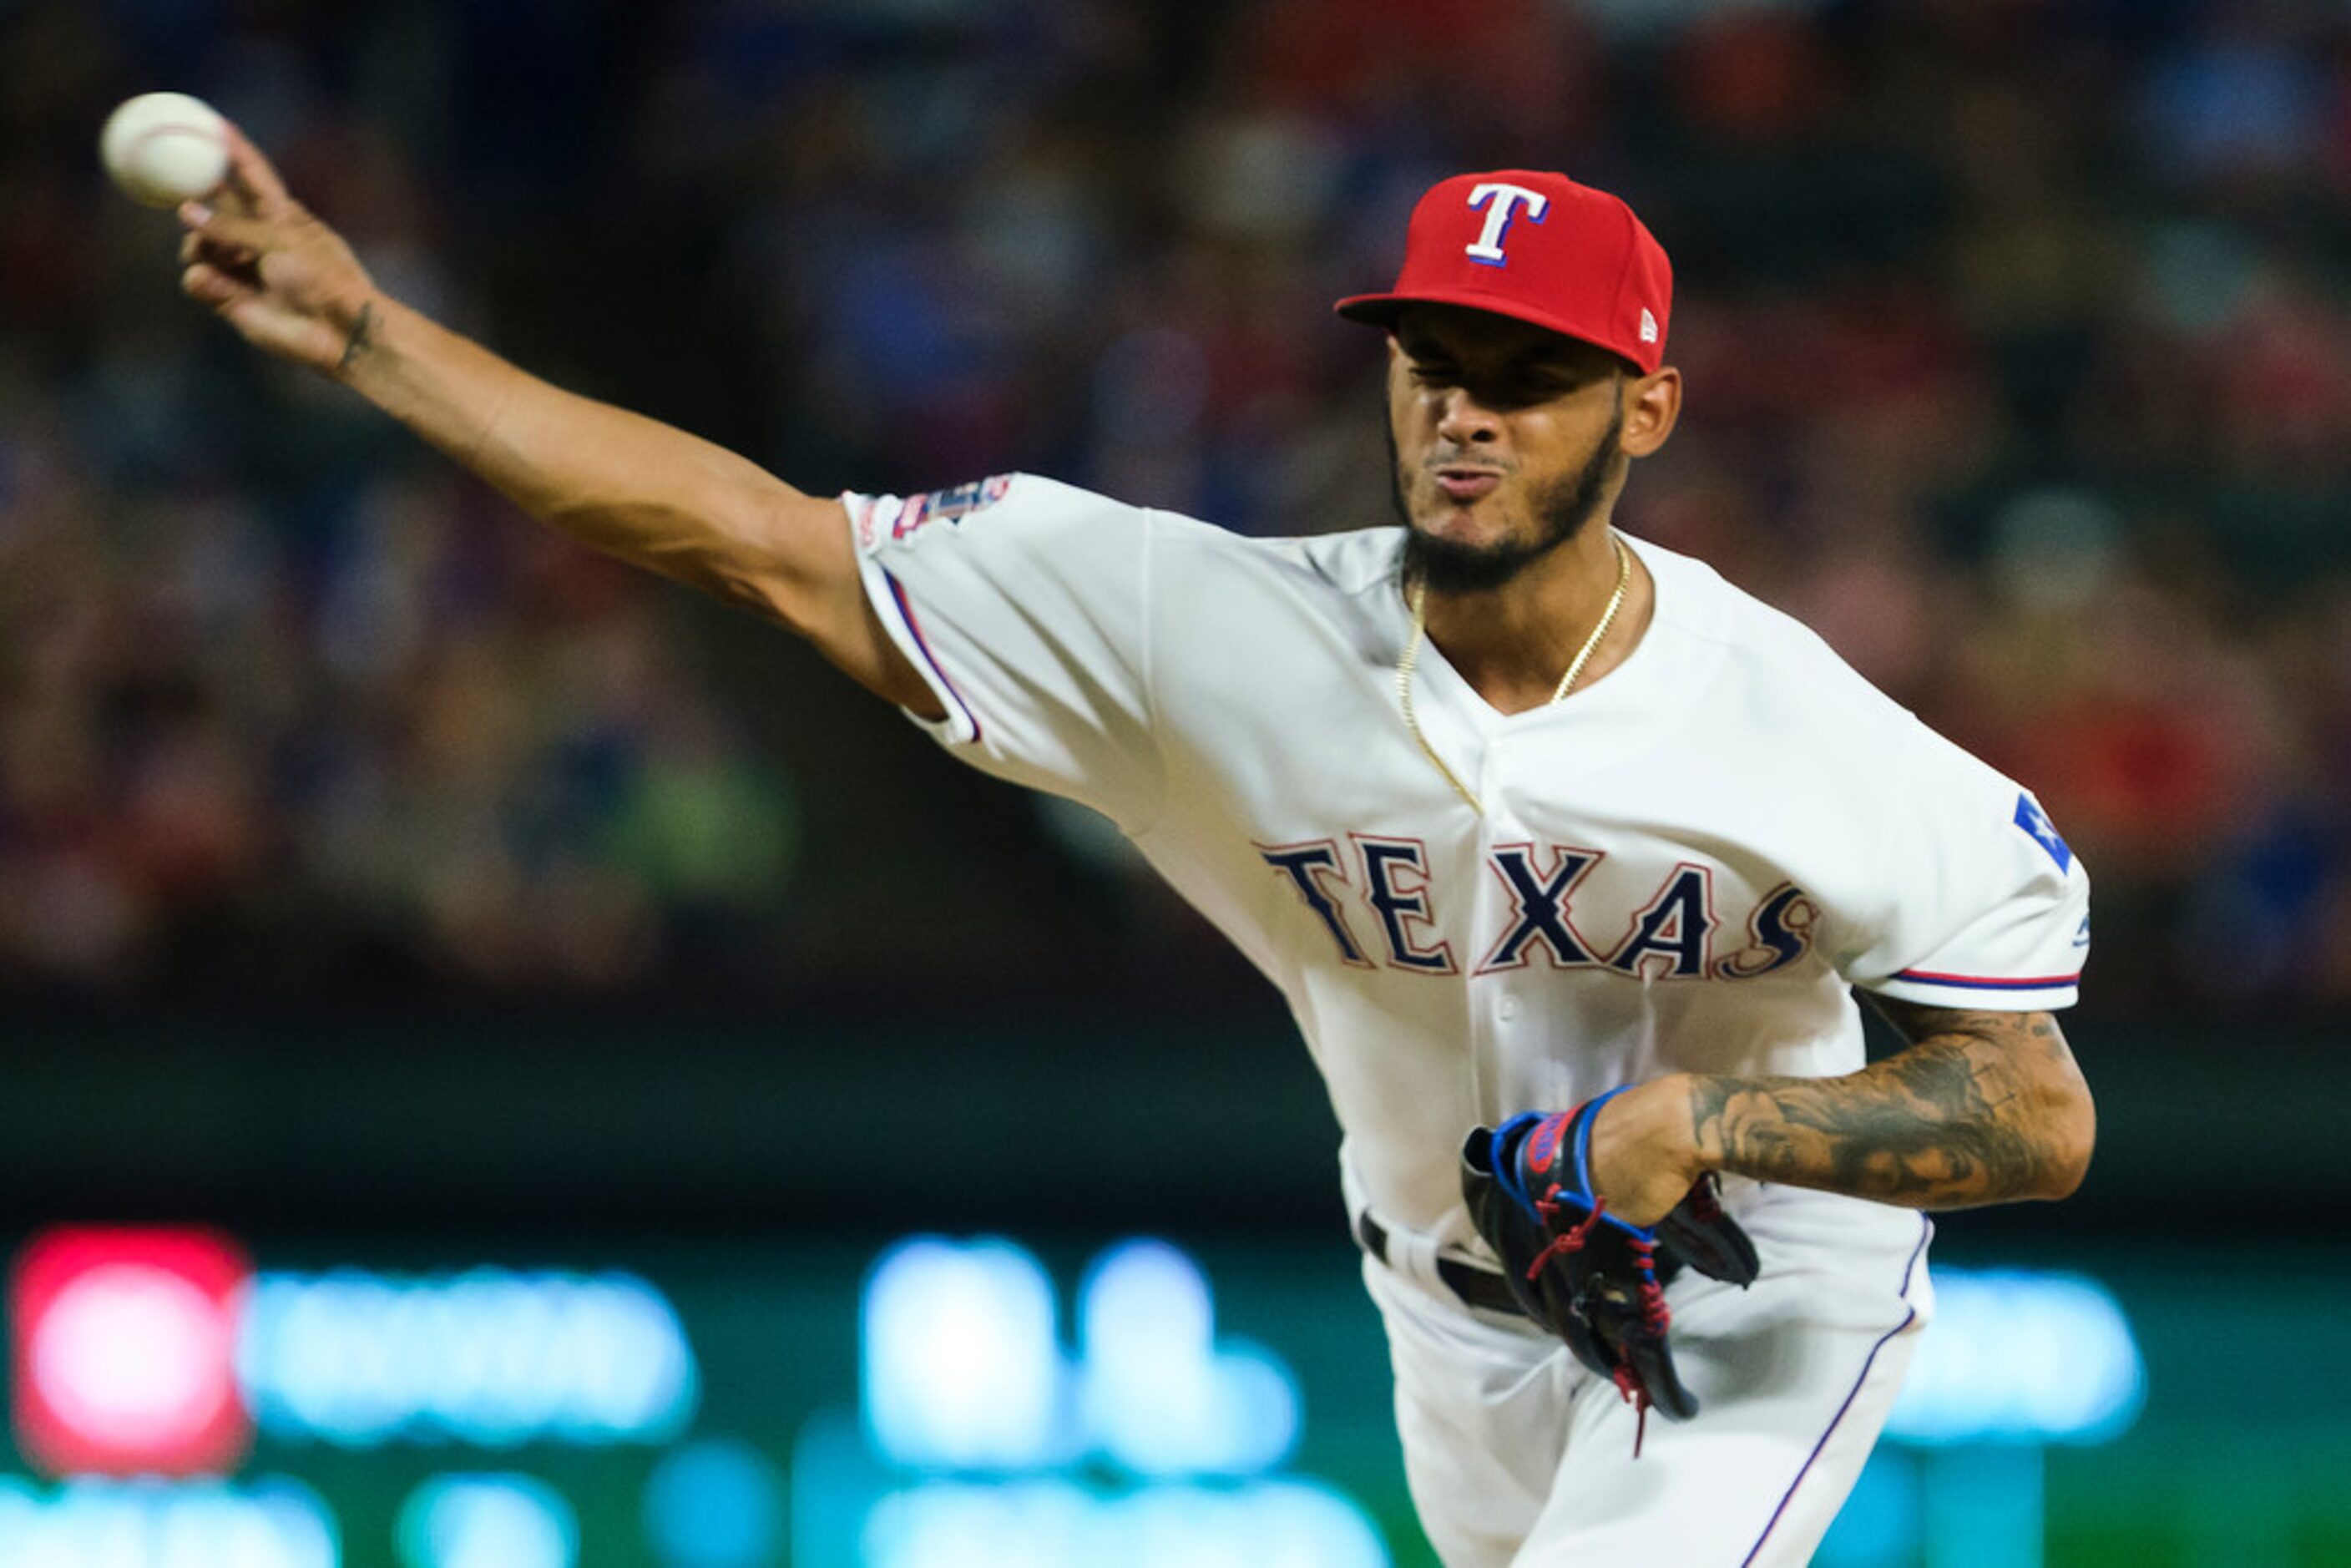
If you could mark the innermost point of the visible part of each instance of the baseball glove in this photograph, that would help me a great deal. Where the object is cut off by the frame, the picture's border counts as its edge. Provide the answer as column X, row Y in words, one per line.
column 1596, row 1281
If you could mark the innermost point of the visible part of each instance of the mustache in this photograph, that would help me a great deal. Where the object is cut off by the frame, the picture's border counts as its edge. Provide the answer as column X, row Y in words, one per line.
column 1440, row 463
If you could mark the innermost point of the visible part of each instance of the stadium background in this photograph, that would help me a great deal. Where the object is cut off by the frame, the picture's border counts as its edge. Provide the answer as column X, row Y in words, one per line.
column 396, row 888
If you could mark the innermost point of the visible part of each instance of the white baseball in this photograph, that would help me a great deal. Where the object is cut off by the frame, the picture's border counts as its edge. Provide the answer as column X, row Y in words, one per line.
column 165, row 148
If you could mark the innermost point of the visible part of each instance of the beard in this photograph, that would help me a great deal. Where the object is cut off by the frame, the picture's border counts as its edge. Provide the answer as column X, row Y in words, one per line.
column 1562, row 509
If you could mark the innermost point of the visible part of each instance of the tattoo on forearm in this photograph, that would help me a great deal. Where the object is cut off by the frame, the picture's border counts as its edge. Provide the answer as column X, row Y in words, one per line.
column 1958, row 1118
column 362, row 335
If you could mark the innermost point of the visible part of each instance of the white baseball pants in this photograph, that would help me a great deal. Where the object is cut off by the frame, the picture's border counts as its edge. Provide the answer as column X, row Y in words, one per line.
column 1518, row 1457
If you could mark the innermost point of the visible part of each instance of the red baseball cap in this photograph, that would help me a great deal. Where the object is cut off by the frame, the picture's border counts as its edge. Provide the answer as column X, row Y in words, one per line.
column 1539, row 248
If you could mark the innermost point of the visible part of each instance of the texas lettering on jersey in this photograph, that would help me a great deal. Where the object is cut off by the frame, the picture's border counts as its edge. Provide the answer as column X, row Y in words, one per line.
column 1381, row 886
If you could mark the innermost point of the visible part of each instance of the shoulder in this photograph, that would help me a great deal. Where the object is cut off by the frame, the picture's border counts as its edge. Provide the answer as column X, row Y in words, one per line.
column 1778, row 678
column 1019, row 504
column 1775, row 677
column 1032, row 506
column 1766, row 660
column 1344, row 563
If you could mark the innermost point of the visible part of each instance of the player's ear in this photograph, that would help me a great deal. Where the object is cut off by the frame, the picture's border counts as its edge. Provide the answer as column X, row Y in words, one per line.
column 1652, row 405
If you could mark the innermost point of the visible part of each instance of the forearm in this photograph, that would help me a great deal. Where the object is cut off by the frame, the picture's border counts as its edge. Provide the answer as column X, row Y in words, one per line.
column 623, row 483
column 1986, row 1108
column 630, row 486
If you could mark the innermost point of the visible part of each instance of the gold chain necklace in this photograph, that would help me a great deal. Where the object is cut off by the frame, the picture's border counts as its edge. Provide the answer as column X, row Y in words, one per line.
column 1411, row 660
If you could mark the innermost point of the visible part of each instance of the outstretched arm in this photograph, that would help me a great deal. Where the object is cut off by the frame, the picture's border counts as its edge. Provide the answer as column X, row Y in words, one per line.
column 632, row 487
column 1979, row 1108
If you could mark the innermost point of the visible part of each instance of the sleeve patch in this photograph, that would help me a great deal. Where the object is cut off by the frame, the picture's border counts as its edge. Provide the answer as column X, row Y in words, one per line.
column 949, row 506
column 2041, row 831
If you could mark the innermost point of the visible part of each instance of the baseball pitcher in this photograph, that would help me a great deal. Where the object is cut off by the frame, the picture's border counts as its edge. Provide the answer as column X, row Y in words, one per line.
column 1569, row 857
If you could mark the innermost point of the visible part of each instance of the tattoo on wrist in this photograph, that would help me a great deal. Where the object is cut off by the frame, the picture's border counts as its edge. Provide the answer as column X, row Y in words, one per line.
column 1952, row 1121
column 360, row 339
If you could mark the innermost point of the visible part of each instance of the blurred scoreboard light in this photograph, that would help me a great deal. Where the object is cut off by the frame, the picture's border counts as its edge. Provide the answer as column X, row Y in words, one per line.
column 268, row 1522
column 2018, row 1357
column 1158, row 1393
column 982, row 1444
column 1061, row 1523
column 489, row 1358
column 985, row 1428
column 160, row 1354
column 714, row 1503
column 488, row 1521
column 987, row 1415
column 121, row 1355
column 962, row 1357
column 2015, row 1360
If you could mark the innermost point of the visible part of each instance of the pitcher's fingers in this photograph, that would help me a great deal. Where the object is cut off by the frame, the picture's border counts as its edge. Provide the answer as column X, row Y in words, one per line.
column 194, row 246
column 221, row 230
column 253, row 175
column 210, row 286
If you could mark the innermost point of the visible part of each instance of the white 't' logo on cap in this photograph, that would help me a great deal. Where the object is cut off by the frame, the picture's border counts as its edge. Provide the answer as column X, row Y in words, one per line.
column 1648, row 328
column 1501, row 203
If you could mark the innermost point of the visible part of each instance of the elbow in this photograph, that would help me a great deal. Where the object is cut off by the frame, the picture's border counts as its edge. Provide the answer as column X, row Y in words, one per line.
column 791, row 559
column 2072, row 1134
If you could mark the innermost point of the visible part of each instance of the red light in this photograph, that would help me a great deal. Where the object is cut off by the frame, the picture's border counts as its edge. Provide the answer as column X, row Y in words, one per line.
column 124, row 1352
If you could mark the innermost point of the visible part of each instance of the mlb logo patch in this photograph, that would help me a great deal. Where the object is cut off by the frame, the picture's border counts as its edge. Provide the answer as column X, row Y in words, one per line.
column 2036, row 824
column 949, row 506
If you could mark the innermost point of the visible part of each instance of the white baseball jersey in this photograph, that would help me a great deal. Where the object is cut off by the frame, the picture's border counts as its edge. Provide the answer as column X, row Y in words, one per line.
column 1683, row 866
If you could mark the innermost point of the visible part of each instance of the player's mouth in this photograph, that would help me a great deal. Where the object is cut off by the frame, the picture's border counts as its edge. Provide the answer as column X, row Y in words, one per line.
column 1464, row 482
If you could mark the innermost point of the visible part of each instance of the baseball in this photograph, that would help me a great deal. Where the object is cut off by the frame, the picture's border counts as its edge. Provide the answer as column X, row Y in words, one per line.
column 164, row 148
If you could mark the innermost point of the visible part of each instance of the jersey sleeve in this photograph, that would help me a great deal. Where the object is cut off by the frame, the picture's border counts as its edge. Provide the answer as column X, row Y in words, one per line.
column 1022, row 602
column 1987, row 908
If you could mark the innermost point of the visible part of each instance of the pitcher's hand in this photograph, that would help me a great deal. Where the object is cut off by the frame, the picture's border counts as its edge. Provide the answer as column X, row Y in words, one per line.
column 1644, row 1155
column 286, row 282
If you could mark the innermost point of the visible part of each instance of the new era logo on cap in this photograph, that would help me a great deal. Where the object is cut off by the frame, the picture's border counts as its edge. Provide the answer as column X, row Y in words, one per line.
column 1541, row 248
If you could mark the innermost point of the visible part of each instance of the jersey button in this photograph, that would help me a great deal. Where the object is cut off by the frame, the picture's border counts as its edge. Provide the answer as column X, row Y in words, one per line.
column 1507, row 1009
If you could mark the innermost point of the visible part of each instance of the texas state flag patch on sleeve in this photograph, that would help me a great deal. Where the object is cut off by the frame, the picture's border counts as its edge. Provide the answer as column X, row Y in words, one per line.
column 2037, row 827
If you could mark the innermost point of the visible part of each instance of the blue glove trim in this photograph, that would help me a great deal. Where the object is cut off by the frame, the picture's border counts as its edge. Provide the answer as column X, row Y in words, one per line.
column 1588, row 1114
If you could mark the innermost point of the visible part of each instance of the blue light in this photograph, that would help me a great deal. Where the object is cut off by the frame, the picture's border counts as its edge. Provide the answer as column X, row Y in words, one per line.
column 488, row 1521
column 1879, row 1525
column 1159, row 1395
column 1054, row 1523
column 964, row 1371
column 489, row 1358
column 2022, row 1357
column 962, row 1364
column 1984, row 1506
column 270, row 1523
column 713, row 1504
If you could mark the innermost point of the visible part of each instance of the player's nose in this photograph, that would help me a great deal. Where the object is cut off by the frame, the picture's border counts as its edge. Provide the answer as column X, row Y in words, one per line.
column 1463, row 421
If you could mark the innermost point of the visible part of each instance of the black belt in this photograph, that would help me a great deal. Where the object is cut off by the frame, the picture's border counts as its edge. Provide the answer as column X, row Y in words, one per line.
column 1482, row 1288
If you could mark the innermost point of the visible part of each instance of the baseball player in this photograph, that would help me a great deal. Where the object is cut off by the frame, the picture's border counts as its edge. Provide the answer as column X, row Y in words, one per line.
column 1524, row 817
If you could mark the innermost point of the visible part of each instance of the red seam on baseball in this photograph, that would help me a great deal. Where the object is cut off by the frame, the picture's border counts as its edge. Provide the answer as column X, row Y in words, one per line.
column 183, row 128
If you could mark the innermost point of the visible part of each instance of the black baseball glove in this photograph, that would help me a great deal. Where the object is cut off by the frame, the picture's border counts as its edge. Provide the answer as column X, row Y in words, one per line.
column 1596, row 1281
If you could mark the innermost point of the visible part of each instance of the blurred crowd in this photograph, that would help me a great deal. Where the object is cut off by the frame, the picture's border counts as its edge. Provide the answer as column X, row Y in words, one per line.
column 2015, row 333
